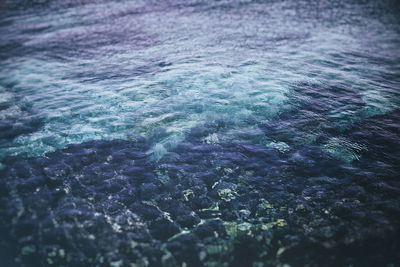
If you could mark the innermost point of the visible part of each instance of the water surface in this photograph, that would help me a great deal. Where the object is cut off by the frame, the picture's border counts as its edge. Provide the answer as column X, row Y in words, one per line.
column 206, row 133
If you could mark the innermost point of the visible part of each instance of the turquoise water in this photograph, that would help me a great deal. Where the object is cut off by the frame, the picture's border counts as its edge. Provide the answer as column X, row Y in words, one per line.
column 109, row 71
column 273, row 125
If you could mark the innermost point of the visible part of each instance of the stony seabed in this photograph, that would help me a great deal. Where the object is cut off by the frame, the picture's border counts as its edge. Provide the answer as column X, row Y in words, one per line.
column 105, row 202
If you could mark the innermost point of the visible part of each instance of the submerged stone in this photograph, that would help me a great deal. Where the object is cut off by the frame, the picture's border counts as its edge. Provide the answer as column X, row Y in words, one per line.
column 231, row 204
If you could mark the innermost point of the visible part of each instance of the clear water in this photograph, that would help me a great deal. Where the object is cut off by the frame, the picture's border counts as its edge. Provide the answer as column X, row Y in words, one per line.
column 211, row 133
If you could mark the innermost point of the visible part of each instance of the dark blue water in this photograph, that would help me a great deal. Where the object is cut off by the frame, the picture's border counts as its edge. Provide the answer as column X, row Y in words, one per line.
column 199, row 133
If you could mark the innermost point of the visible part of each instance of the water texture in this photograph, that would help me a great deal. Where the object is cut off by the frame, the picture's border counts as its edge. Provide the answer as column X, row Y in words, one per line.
column 199, row 133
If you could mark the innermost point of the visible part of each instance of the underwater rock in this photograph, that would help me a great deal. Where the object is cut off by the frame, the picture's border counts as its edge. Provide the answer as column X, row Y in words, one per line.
column 317, row 111
column 104, row 196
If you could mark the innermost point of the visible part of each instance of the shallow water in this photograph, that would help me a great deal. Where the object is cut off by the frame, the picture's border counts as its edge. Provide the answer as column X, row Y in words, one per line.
column 211, row 133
